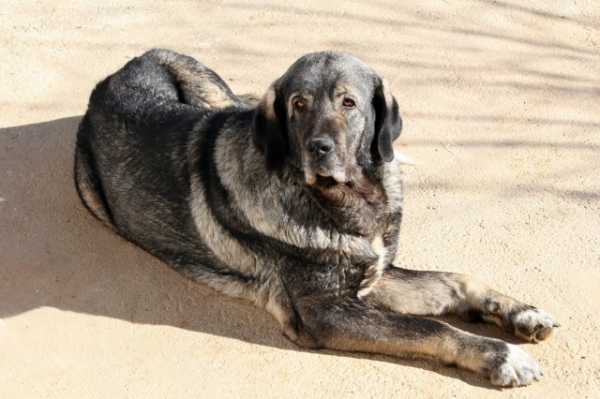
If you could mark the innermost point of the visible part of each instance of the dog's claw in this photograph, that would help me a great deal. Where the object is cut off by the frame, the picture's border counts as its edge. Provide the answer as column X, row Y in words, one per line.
column 534, row 324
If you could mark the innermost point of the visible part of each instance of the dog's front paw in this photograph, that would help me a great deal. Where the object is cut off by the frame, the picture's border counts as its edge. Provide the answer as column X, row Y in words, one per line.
column 533, row 324
column 517, row 368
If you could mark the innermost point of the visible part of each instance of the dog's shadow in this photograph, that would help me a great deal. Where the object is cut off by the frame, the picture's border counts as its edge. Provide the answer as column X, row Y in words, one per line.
column 53, row 253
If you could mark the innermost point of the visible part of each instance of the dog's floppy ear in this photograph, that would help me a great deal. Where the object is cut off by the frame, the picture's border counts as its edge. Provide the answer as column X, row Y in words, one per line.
column 388, row 123
column 269, row 128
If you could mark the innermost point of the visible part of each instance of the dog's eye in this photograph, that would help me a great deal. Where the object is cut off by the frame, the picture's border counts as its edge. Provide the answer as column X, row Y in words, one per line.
column 348, row 103
column 299, row 104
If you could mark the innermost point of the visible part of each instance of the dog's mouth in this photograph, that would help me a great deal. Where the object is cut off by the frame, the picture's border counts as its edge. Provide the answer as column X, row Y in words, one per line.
column 323, row 177
column 324, row 169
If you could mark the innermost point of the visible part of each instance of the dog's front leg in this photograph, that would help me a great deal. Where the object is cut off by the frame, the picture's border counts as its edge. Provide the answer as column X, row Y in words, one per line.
column 437, row 293
column 350, row 324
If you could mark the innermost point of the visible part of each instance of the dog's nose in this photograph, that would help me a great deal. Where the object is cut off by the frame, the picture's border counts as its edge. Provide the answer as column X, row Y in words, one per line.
column 320, row 146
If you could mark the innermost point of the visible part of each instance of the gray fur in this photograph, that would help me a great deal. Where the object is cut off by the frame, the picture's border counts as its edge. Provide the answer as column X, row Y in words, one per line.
column 294, row 205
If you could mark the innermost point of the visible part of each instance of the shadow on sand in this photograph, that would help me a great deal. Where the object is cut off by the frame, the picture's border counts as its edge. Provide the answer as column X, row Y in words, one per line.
column 54, row 254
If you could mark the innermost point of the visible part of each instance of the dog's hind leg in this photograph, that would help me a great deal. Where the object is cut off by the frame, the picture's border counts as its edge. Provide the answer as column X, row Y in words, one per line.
column 198, row 85
column 89, row 188
column 437, row 293
column 350, row 324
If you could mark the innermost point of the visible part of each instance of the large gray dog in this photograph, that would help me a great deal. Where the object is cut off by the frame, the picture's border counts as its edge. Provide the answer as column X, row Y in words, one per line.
column 294, row 205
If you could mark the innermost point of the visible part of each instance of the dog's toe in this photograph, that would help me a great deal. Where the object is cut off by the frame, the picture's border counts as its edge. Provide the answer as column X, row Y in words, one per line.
column 534, row 324
column 518, row 369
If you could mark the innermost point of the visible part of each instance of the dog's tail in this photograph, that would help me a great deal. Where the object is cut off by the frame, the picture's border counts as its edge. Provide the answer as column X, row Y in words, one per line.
column 197, row 85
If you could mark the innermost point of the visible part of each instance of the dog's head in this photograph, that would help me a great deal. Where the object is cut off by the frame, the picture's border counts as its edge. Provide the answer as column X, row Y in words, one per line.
column 329, row 115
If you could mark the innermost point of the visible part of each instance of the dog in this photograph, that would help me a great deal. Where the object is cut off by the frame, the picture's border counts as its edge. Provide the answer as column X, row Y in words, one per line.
column 294, row 204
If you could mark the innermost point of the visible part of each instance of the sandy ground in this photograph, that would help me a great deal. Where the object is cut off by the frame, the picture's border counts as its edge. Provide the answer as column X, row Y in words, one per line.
column 501, row 104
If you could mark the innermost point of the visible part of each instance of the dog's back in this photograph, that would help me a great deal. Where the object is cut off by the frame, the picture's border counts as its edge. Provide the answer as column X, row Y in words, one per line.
column 131, row 155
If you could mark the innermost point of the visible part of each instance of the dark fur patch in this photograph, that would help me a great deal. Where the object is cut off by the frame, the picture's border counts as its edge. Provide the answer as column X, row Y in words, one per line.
column 356, row 204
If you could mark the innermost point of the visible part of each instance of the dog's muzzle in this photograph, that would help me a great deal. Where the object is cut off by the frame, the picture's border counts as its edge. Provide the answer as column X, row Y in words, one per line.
column 321, row 160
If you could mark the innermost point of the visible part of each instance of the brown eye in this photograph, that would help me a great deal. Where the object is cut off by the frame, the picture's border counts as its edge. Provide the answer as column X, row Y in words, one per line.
column 348, row 103
column 299, row 104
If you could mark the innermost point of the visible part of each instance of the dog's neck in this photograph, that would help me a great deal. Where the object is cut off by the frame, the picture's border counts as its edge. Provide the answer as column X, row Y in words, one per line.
column 355, row 205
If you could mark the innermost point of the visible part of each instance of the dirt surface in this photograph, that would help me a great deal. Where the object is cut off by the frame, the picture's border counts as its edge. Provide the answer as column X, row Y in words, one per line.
column 501, row 104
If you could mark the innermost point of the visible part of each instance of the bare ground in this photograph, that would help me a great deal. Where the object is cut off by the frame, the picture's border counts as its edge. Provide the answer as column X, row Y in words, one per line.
column 501, row 104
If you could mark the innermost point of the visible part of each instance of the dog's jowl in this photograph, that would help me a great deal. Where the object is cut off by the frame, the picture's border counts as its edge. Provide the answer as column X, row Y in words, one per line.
column 294, row 204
